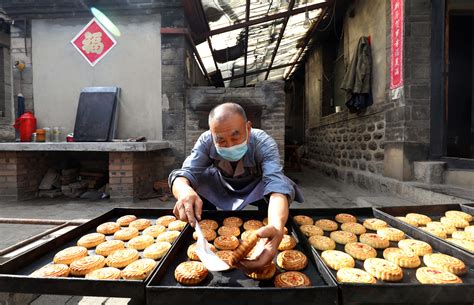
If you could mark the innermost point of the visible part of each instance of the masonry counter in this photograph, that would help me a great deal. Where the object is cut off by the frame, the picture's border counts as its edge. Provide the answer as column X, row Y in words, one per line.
column 132, row 166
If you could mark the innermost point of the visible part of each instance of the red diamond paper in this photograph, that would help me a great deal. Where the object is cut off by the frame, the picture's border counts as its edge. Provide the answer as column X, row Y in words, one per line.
column 93, row 42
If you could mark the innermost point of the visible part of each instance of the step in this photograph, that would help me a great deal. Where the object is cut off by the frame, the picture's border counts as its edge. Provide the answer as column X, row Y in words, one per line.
column 463, row 178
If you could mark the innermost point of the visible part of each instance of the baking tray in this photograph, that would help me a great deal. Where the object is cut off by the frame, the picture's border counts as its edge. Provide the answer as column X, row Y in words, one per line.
column 468, row 208
column 233, row 287
column 435, row 212
column 408, row 291
column 14, row 274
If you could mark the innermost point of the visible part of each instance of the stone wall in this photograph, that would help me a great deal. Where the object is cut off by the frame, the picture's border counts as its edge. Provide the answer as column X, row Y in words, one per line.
column 269, row 96
column 7, row 132
column 355, row 144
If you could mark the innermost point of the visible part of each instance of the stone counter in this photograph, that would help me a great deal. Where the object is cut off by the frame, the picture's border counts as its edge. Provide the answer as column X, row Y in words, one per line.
column 86, row 146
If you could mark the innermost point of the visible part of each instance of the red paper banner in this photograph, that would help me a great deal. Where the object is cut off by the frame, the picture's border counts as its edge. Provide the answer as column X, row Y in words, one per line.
column 396, row 44
column 93, row 42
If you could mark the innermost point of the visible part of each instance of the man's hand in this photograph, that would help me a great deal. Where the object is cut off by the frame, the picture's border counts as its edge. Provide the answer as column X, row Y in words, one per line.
column 188, row 206
column 265, row 250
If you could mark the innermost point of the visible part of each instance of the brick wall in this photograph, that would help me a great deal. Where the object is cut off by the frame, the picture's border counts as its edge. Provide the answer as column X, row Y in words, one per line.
column 269, row 96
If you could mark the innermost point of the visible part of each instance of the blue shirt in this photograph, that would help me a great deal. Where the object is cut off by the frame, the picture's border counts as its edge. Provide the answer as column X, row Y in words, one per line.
column 257, row 175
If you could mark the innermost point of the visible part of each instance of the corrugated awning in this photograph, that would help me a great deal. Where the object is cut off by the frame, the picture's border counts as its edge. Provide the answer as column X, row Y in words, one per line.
column 245, row 41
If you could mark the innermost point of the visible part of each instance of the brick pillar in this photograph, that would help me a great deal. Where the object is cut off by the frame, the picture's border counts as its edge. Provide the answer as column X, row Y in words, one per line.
column 132, row 174
column 21, row 174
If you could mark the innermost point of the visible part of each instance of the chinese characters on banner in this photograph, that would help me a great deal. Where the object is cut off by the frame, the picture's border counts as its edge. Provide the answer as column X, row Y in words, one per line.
column 93, row 42
column 396, row 47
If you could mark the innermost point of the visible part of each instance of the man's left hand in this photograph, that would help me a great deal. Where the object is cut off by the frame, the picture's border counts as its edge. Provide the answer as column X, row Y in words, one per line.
column 266, row 249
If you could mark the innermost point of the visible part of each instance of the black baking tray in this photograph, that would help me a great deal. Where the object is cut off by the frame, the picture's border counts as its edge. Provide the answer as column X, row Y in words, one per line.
column 233, row 287
column 408, row 291
column 435, row 212
column 14, row 274
column 468, row 208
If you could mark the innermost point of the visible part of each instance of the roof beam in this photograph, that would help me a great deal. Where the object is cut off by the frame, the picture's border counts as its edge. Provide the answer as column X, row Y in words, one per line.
column 247, row 17
column 265, row 19
column 308, row 37
column 280, row 37
column 258, row 71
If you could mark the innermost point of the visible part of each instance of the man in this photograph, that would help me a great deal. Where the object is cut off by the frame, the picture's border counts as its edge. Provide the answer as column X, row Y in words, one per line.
column 231, row 166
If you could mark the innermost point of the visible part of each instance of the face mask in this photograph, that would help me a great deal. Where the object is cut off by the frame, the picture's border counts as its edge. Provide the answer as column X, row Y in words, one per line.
column 233, row 153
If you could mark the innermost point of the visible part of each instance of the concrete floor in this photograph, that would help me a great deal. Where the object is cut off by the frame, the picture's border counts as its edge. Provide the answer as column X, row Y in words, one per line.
column 319, row 191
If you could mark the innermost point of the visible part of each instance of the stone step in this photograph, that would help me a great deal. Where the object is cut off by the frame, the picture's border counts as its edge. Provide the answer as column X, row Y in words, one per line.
column 460, row 178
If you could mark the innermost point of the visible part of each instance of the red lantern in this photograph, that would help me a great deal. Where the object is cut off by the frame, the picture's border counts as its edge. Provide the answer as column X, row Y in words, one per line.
column 26, row 124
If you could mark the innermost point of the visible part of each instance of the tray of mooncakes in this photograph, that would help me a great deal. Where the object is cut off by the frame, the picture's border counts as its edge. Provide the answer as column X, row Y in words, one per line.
column 293, row 275
column 442, row 224
column 373, row 262
column 111, row 255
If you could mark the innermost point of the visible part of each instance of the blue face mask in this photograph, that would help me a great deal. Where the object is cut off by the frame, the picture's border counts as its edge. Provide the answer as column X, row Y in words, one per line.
column 233, row 153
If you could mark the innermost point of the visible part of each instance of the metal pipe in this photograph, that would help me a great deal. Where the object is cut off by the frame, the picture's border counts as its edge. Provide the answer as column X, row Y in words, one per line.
column 32, row 221
column 32, row 239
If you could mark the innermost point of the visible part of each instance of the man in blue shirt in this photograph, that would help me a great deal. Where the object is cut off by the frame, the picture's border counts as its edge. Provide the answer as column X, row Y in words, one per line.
column 231, row 166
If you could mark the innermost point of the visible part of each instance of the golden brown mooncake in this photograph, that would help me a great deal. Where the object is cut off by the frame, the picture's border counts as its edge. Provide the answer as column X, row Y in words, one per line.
column 291, row 279
column 105, row 273
column 403, row 258
column 292, row 260
column 122, row 258
column 126, row 220
column 322, row 243
column 169, row 236
column 374, row 224
column 420, row 219
column 360, row 251
column 459, row 214
column 190, row 273
column 288, row 242
column 140, row 242
column 229, row 231
column 383, row 269
column 126, row 233
column 191, row 252
column 243, row 249
column 177, row 225
column 310, row 230
column 52, row 270
column 374, row 240
column 336, row 260
column 343, row 237
column 106, row 248
column 154, row 230
column 157, row 250
column 345, row 218
column 140, row 224
column 391, row 234
column 165, row 220
column 353, row 227
column 253, row 224
column 91, row 240
column 326, row 224
column 87, row 264
column 139, row 269
column 226, row 242
column 303, row 220
column 419, row 247
column 445, row 262
column 428, row 275
column 108, row 228
column 265, row 274
column 68, row 255
column 354, row 275
column 233, row 221
column 209, row 224
column 209, row 235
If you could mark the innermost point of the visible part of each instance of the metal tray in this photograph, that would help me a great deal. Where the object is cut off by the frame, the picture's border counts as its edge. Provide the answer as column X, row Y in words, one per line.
column 409, row 290
column 233, row 287
column 435, row 212
column 468, row 208
column 14, row 274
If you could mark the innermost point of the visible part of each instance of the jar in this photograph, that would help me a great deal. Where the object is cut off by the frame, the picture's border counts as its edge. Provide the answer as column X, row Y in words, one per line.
column 33, row 137
column 56, row 134
column 40, row 135
column 47, row 134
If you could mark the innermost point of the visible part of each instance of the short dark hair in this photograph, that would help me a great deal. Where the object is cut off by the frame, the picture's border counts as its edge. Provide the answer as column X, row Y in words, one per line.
column 230, row 108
